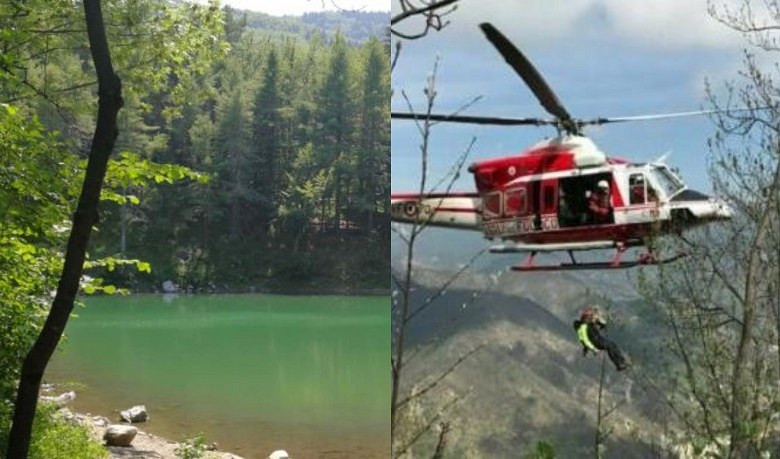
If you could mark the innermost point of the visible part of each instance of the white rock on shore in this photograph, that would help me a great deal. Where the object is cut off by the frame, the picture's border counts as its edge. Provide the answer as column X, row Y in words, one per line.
column 119, row 435
column 279, row 454
column 60, row 400
column 135, row 414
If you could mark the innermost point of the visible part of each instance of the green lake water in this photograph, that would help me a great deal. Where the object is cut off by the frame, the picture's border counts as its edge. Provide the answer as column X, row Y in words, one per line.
column 254, row 373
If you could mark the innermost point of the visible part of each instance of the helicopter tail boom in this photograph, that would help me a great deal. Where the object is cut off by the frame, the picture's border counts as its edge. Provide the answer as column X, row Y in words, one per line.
column 457, row 210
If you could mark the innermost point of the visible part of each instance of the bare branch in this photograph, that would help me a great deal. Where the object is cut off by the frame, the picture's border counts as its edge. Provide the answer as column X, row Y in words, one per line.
column 433, row 13
column 426, row 427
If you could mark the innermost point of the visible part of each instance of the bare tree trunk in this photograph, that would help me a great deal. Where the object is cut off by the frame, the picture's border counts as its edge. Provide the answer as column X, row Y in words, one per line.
column 742, row 381
column 122, row 230
column 86, row 216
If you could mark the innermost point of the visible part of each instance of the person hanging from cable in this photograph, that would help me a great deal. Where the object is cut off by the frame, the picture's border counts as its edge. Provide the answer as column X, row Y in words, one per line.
column 589, row 329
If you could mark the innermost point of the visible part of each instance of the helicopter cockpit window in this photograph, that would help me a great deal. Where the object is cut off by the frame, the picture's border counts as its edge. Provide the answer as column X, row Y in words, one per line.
column 667, row 181
column 637, row 189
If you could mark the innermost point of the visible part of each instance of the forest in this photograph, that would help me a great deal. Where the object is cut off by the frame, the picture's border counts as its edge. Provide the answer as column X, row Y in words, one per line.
column 294, row 138
column 287, row 138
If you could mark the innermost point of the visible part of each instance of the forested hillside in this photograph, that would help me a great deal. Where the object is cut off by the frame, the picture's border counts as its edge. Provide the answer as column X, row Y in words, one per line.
column 355, row 26
column 295, row 138
column 291, row 128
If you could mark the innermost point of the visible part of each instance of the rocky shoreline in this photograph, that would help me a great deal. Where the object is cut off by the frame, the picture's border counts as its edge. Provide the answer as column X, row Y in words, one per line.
column 144, row 445
column 141, row 444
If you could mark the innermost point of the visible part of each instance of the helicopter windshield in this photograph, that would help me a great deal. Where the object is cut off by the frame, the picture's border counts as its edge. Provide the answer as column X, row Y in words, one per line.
column 667, row 181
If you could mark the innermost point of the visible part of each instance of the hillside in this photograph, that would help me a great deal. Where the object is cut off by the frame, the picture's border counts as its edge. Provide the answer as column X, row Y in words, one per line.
column 530, row 382
column 356, row 26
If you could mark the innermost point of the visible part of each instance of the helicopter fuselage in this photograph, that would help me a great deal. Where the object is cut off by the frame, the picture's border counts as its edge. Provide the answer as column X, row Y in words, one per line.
column 539, row 200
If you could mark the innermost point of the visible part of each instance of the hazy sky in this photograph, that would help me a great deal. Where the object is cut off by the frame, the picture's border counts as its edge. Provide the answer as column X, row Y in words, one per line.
column 298, row 7
column 602, row 58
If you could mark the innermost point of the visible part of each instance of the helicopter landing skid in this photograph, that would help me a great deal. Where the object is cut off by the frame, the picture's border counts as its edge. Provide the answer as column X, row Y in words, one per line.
column 644, row 259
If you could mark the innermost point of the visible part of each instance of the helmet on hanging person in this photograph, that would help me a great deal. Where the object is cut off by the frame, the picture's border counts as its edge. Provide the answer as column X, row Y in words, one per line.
column 586, row 314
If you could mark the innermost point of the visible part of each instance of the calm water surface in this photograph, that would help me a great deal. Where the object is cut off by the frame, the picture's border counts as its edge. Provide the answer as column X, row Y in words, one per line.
column 252, row 372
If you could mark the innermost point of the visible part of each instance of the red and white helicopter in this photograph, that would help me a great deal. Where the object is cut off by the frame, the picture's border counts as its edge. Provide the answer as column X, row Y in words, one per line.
column 538, row 200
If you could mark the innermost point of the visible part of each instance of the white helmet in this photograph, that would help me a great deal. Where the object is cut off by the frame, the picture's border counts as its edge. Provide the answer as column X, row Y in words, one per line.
column 603, row 184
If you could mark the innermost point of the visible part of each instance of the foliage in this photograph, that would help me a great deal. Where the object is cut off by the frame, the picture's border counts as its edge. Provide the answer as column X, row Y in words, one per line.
column 129, row 171
column 542, row 450
column 192, row 448
column 36, row 185
column 293, row 135
column 295, row 141
column 53, row 437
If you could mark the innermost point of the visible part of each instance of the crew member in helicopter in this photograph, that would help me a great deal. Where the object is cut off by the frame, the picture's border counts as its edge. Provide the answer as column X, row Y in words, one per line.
column 637, row 189
column 599, row 205
column 589, row 329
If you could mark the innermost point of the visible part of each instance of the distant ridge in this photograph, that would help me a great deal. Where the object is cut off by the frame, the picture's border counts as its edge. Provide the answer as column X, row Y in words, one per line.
column 356, row 26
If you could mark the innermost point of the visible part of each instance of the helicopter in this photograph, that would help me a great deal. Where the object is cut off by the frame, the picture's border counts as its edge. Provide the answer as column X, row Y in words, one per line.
column 542, row 200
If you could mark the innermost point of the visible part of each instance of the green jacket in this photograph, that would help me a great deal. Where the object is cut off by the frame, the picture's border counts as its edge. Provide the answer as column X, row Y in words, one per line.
column 582, row 334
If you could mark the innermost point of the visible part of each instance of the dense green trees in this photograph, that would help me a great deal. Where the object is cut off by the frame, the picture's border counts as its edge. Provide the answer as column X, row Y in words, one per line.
column 294, row 135
column 295, row 138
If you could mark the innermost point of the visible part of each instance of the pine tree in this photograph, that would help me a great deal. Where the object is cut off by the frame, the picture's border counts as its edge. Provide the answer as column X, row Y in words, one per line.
column 373, row 156
column 336, row 123
column 266, row 142
column 235, row 161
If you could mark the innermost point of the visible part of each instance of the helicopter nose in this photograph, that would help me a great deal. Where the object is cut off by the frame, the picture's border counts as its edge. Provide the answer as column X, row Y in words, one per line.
column 702, row 206
column 722, row 211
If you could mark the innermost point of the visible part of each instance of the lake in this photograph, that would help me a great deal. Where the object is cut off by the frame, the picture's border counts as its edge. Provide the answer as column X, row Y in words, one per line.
column 255, row 373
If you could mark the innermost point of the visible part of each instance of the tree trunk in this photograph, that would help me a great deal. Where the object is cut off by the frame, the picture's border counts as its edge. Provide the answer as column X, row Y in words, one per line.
column 742, row 385
column 85, row 217
column 122, row 230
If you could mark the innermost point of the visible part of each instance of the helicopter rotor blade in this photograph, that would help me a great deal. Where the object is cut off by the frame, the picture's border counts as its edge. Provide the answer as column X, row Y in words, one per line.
column 523, row 67
column 475, row 119
column 662, row 116
column 577, row 123
column 659, row 116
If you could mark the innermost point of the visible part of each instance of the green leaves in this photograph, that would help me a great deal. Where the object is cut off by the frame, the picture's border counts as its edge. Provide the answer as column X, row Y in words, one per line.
column 37, row 178
column 92, row 286
column 130, row 170
column 111, row 263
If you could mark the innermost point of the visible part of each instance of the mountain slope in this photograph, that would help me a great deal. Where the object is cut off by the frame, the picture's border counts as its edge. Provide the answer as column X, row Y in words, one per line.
column 529, row 382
